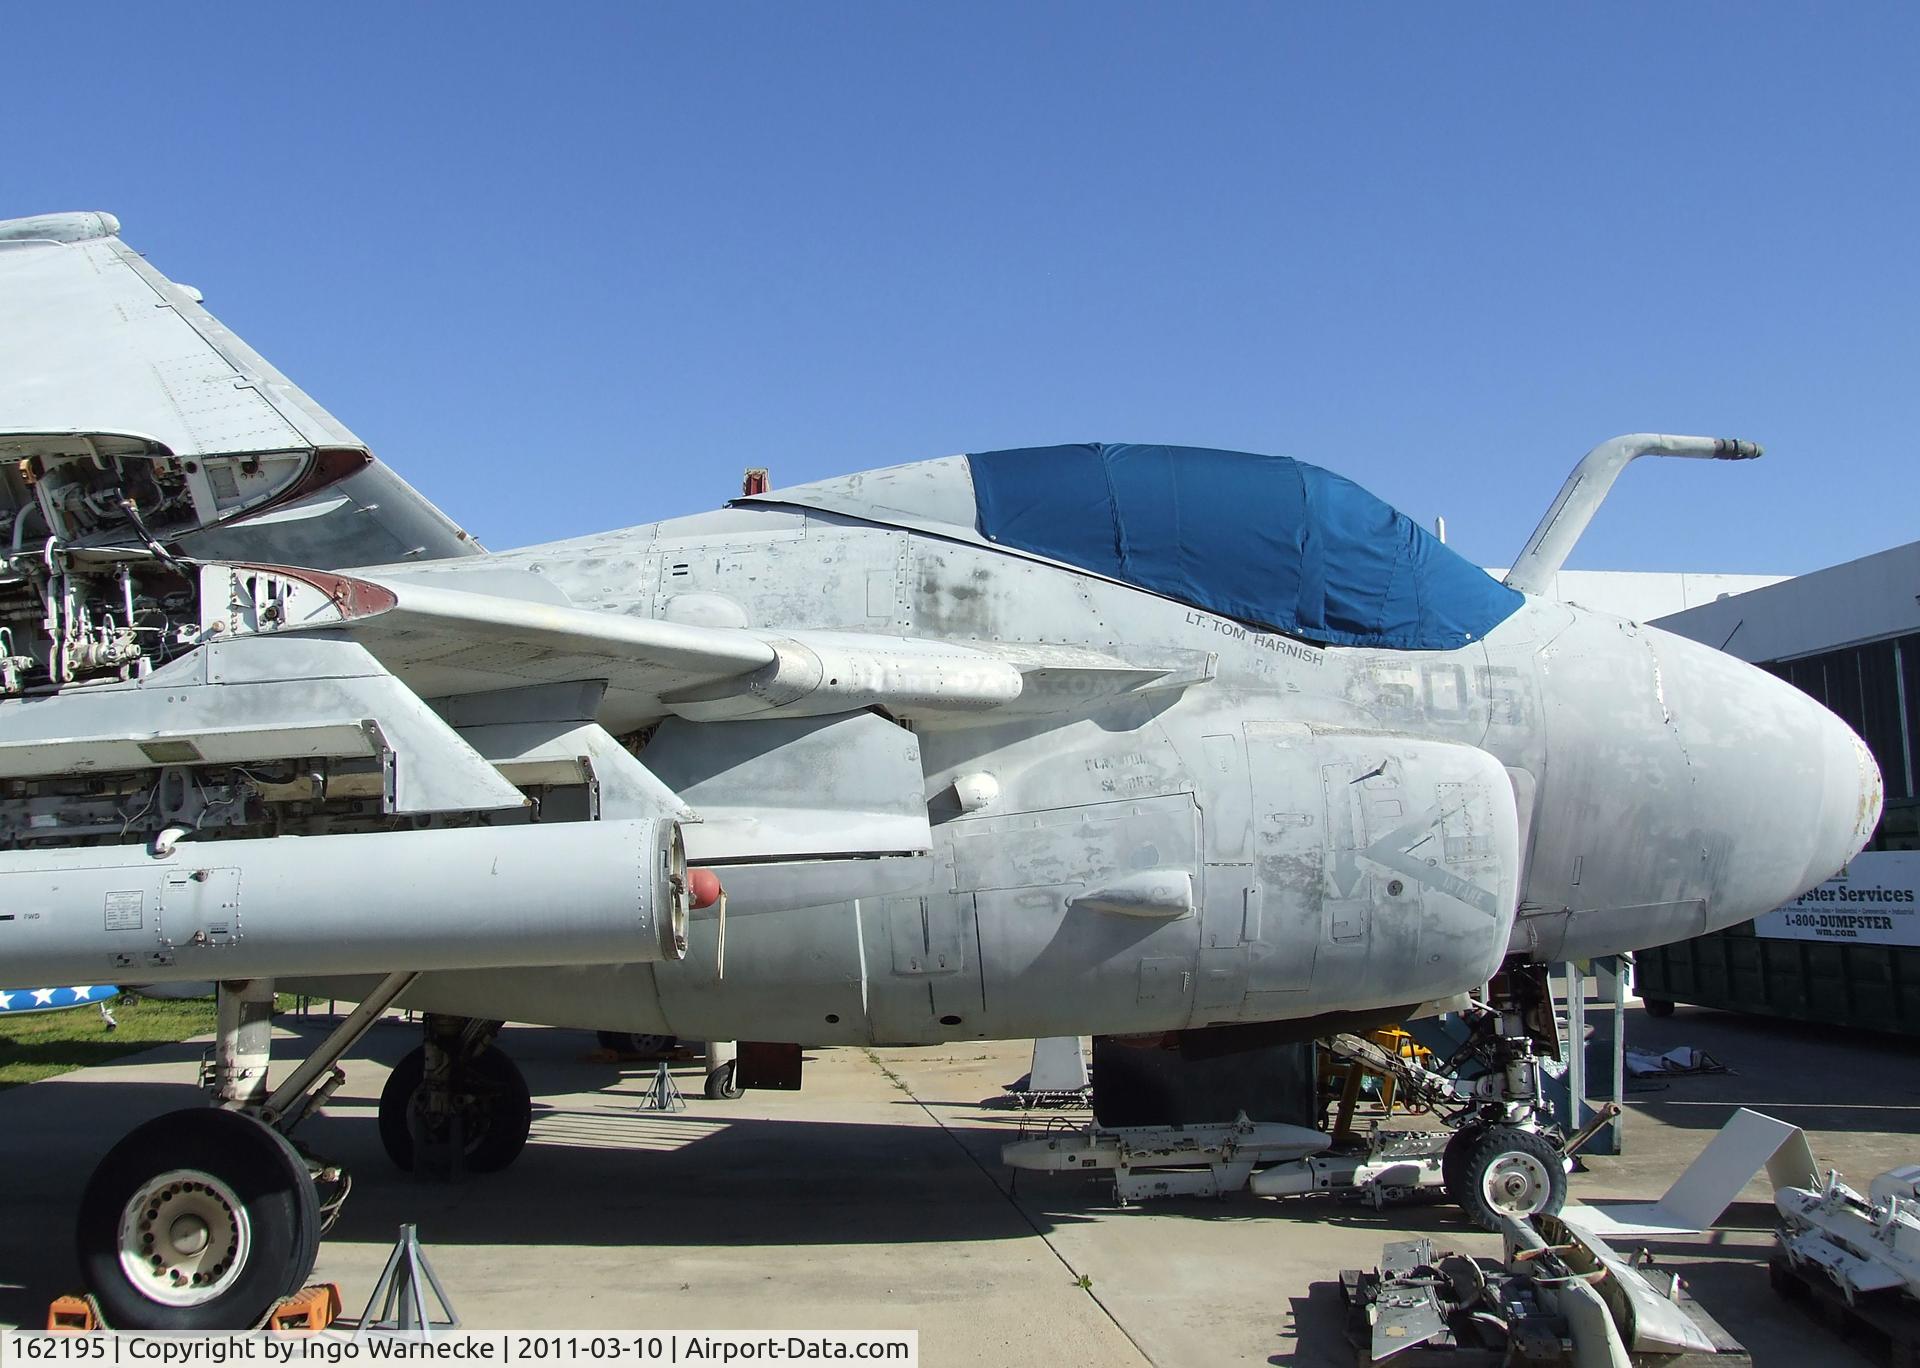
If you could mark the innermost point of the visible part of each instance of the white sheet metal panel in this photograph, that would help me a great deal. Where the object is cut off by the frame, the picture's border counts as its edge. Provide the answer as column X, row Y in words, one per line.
column 95, row 340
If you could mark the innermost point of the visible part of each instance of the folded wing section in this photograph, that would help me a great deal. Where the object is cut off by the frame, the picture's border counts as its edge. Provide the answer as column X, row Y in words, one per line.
column 130, row 415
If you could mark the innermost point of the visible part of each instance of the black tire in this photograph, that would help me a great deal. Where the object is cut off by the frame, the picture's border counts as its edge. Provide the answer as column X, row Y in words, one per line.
column 1658, row 1007
column 1507, row 1172
column 1453, row 1160
column 273, row 1200
column 723, row 1083
column 495, row 1118
column 637, row 1043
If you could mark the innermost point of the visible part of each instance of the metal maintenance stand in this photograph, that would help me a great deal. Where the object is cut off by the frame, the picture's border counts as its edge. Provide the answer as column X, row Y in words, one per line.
column 663, row 1094
column 398, row 1294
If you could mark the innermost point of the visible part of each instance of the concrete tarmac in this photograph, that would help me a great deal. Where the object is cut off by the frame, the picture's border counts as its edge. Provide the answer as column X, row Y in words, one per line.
column 874, row 1199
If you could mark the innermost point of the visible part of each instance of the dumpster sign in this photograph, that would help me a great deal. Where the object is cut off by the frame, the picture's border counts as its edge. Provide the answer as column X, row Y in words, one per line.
column 1873, row 901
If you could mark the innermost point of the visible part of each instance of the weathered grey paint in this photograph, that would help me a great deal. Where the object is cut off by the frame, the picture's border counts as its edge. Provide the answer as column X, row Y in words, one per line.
column 958, row 791
column 557, row 893
column 1660, row 789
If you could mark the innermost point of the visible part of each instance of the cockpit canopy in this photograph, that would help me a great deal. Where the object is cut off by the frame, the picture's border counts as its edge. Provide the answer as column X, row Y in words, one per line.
column 1268, row 541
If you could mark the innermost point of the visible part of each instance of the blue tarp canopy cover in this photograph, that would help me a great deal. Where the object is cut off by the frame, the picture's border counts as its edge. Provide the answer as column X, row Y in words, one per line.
column 1270, row 542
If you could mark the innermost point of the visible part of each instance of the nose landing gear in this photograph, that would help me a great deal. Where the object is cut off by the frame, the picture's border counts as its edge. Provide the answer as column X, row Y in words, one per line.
column 1504, row 1173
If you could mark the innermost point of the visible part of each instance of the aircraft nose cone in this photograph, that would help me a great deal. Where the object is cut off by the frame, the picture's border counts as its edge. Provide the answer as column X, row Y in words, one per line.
column 1852, row 794
column 1784, row 793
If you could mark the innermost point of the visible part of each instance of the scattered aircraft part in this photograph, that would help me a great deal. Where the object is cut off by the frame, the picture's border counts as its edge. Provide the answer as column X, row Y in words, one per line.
column 1862, row 1244
column 1570, row 1301
column 1749, row 1142
column 1167, row 1161
column 1385, row 1166
column 472, row 897
column 1616, row 1310
column 1580, row 498
column 1889, row 1317
column 1057, row 1077
column 1645, row 1312
column 1270, row 1158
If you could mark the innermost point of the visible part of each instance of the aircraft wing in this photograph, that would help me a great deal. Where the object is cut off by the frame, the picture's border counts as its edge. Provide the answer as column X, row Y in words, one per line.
column 178, row 515
column 449, row 632
column 114, row 378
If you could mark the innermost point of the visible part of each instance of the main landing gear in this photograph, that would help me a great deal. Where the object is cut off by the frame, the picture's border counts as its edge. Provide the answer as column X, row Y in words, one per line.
column 198, row 1220
column 204, row 1219
column 456, row 1104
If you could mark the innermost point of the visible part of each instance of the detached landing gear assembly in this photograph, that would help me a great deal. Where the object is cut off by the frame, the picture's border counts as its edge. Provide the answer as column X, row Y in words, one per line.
column 206, row 1219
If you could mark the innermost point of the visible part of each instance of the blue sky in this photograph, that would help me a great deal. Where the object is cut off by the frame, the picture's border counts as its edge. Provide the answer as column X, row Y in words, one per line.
column 573, row 267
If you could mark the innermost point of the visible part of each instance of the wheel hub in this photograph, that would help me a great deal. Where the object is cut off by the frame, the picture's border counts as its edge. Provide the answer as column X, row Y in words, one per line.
column 184, row 1238
column 1517, row 1183
column 189, row 1234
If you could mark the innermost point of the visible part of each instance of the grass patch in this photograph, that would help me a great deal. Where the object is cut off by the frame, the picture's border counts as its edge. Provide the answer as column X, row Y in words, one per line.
column 42, row 1045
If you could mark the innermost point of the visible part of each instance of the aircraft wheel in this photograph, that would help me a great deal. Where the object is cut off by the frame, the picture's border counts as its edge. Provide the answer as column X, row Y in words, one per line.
column 1510, row 1173
column 723, row 1083
column 637, row 1042
column 1453, row 1160
column 1658, row 1007
column 489, row 1107
column 197, row 1220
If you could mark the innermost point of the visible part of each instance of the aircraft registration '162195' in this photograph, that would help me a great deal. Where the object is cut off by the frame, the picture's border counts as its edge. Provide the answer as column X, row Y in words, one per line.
column 1103, row 738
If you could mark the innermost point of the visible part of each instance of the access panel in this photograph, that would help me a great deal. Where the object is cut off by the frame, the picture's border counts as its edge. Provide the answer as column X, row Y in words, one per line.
column 1383, row 867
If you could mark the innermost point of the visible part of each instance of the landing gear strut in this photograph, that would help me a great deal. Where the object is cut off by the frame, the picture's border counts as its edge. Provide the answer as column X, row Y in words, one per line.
column 456, row 1104
column 204, row 1219
column 1506, row 1158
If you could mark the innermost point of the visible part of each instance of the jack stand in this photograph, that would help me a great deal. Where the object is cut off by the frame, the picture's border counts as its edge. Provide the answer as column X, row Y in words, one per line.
column 663, row 1094
column 403, row 1308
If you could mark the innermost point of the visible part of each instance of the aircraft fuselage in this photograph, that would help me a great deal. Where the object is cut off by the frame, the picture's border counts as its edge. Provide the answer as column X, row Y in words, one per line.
column 1300, row 830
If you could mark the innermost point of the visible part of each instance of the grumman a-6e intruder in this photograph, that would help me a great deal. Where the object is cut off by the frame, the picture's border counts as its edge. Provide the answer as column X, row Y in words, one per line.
column 1108, row 739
